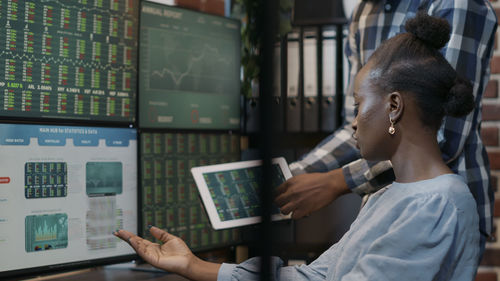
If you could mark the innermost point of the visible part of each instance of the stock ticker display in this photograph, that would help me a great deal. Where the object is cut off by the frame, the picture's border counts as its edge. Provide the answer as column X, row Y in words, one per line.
column 68, row 59
column 170, row 198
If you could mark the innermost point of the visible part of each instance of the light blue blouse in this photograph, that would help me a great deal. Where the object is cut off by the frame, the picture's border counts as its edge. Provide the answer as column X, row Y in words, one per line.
column 424, row 230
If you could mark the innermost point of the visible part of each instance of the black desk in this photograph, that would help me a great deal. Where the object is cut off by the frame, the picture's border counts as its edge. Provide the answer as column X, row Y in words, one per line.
column 129, row 271
column 109, row 273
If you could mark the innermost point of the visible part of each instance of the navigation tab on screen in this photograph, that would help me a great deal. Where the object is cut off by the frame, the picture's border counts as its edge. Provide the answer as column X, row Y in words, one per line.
column 85, row 141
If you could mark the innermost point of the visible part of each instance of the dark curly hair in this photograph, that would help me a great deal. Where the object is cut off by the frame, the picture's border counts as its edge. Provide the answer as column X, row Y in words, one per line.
column 411, row 63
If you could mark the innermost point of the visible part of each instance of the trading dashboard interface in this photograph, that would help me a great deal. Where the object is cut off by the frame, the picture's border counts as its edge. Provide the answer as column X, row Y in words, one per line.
column 69, row 59
column 236, row 193
column 170, row 196
column 189, row 74
column 63, row 191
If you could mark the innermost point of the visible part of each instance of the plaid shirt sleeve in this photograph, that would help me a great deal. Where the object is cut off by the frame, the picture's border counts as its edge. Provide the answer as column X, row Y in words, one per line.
column 469, row 51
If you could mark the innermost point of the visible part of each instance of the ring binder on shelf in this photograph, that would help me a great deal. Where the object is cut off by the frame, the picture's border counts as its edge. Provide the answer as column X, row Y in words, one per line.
column 345, row 61
column 310, row 63
column 293, row 102
column 277, row 103
column 252, row 110
column 328, row 117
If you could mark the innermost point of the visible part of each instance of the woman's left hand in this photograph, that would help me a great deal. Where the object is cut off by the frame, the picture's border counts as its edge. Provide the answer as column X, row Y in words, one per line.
column 172, row 255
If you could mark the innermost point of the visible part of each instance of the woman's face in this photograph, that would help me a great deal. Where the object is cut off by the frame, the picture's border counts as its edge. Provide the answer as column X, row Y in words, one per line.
column 372, row 118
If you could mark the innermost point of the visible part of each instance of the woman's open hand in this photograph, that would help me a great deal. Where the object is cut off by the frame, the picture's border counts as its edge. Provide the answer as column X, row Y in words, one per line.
column 172, row 255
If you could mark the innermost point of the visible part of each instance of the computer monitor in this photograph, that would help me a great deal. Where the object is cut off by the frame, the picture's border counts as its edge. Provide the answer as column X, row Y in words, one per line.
column 63, row 191
column 170, row 199
column 189, row 75
column 69, row 59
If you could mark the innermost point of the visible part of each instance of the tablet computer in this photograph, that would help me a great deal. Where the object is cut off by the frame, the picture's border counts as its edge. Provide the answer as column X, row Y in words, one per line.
column 230, row 192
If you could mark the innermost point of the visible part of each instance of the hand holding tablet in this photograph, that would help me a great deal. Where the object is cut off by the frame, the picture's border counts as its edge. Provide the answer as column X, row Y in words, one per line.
column 230, row 192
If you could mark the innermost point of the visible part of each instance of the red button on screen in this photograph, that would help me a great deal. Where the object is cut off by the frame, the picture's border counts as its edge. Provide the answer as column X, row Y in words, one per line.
column 4, row 180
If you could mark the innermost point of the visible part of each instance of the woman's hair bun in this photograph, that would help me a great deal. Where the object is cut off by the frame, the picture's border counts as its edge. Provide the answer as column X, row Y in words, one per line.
column 460, row 100
column 433, row 31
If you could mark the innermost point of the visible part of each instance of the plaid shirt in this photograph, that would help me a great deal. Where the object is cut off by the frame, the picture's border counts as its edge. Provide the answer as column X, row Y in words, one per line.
column 469, row 51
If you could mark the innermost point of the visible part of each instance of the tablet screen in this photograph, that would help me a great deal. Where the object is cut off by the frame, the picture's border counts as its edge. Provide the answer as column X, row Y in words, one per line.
column 230, row 192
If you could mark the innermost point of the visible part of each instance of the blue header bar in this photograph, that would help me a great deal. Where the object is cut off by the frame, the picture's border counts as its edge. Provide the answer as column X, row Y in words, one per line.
column 47, row 135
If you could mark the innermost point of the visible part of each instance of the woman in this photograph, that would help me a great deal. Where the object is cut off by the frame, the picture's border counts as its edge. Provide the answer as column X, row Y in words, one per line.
column 423, row 226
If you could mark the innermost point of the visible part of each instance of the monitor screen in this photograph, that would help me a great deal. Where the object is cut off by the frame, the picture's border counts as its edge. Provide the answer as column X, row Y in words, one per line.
column 63, row 191
column 189, row 74
column 69, row 59
column 170, row 199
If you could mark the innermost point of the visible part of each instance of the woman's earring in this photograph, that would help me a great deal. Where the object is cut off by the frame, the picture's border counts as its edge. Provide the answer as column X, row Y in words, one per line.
column 392, row 130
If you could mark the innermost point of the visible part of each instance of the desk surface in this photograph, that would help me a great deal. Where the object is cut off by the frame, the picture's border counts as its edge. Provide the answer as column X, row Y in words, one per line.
column 109, row 273
column 127, row 271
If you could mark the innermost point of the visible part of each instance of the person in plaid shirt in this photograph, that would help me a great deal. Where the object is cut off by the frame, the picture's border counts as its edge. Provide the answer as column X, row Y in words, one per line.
column 335, row 167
